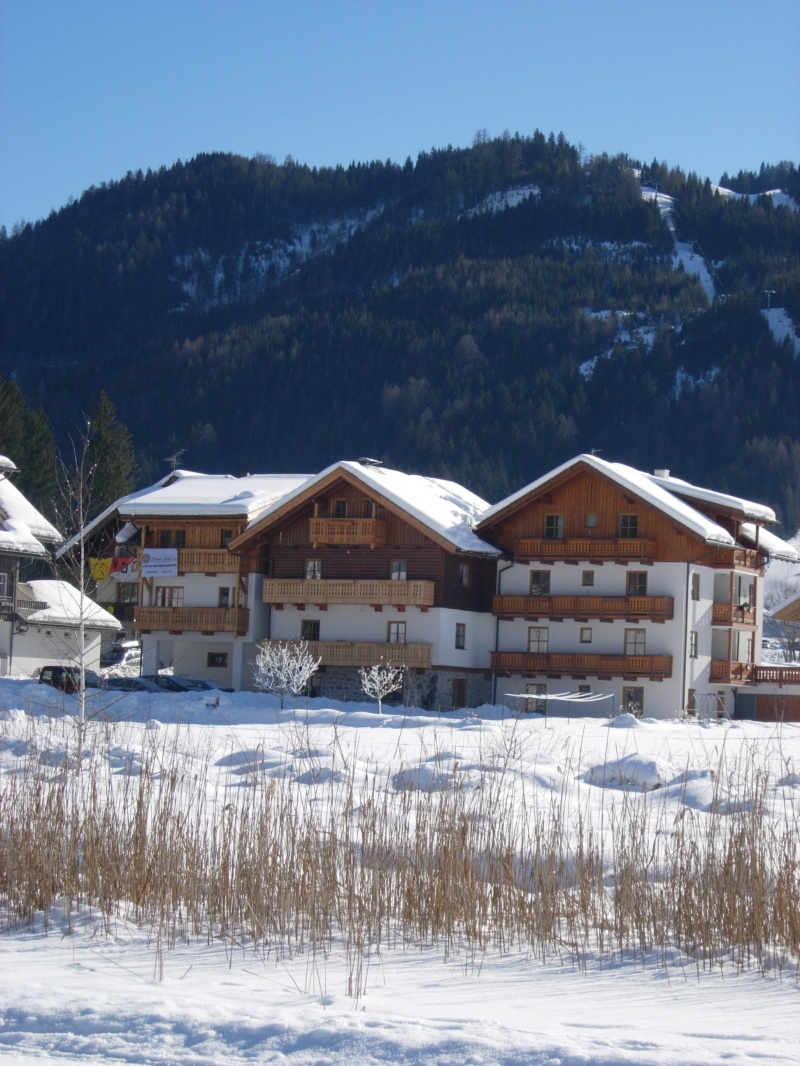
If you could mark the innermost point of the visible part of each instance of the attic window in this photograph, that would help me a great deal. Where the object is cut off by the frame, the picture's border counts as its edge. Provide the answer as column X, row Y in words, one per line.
column 340, row 508
column 629, row 526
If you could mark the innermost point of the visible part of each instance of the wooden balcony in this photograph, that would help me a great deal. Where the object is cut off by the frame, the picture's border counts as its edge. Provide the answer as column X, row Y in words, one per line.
column 368, row 653
column 611, row 549
column 369, row 531
column 729, row 614
column 331, row 591
column 193, row 619
column 654, row 667
column 606, row 608
column 776, row 675
column 737, row 559
column 730, row 672
column 203, row 561
column 207, row 561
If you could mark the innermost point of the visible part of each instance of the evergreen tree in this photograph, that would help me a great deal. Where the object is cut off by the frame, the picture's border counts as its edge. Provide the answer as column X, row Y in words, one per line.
column 27, row 439
column 111, row 454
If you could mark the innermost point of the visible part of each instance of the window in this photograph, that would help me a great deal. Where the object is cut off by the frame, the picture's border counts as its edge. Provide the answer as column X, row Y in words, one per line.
column 538, row 638
column 695, row 586
column 587, row 579
column 591, row 521
column 165, row 538
column 743, row 591
column 226, row 537
column 396, row 633
column 693, row 644
column 369, row 509
column 340, row 508
column 586, row 634
column 629, row 525
column 540, row 582
column 585, row 690
column 535, row 688
column 633, row 701
column 637, row 583
column 635, row 641
column 313, row 569
column 217, row 660
column 3, row 586
column 127, row 592
column 463, row 575
column 398, row 569
column 169, row 596
column 309, row 629
column 180, row 538
column 458, row 692
column 554, row 527
column 461, row 635
column 224, row 597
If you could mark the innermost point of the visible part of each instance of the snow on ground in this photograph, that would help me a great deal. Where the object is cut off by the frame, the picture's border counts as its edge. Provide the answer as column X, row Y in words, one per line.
column 684, row 254
column 781, row 327
column 112, row 992
column 500, row 200
column 778, row 197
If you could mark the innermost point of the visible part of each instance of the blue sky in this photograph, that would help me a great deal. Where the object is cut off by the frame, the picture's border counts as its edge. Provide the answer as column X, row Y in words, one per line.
column 91, row 89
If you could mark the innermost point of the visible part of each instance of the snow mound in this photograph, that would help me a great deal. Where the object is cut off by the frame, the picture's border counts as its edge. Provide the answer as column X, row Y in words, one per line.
column 645, row 772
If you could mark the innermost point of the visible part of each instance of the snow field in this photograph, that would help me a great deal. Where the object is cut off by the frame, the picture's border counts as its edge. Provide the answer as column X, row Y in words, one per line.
column 323, row 884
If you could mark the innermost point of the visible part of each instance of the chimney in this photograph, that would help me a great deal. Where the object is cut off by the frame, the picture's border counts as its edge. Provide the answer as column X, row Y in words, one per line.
column 661, row 473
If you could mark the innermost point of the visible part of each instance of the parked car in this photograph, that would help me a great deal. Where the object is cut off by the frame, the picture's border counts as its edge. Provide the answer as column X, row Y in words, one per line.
column 199, row 684
column 128, row 653
column 68, row 678
column 166, row 682
column 130, row 684
column 179, row 683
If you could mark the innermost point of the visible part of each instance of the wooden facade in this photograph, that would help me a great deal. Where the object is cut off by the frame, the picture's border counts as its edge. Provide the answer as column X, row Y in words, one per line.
column 354, row 561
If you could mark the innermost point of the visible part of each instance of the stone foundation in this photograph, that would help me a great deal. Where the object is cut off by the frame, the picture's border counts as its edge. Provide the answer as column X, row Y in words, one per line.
column 429, row 689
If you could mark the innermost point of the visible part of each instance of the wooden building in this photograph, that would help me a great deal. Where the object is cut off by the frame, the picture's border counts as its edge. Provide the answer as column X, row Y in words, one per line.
column 638, row 586
column 369, row 564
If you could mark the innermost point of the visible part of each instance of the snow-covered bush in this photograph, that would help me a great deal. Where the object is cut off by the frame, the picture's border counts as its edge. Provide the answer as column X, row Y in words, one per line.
column 379, row 680
column 284, row 666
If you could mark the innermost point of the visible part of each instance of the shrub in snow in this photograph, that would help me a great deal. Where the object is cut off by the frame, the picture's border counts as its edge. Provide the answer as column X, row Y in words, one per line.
column 284, row 666
column 378, row 681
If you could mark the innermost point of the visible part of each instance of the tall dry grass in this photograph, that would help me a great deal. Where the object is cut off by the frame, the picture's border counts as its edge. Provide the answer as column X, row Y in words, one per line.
column 361, row 866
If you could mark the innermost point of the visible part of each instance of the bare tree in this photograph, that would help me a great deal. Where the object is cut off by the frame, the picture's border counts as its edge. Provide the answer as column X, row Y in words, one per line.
column 75, row 486
column 378, row 681
column 284, row 666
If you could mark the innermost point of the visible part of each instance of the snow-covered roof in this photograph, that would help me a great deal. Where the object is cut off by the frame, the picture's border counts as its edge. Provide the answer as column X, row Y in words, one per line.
column 446, row 508
column 23, row 530
column 788, row 610
column 112, row 509
column 635, row 481
column 723, row 500
column 63, row 606
column 210, row 495
column 768, row 542
column 184, row 493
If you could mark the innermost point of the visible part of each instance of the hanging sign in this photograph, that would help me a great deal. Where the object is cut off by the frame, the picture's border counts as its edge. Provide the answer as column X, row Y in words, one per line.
column 159, row 562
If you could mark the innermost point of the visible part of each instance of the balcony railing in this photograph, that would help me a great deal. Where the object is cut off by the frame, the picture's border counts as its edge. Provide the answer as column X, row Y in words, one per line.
column 737, row 559
column 607, row 608
column 193, row 619
column 589, row 548
column 730, row 672
column 655, row 667
column 729, row 614
column 368, row 653
column 776, row 675
column 369, row 531
column 207, row 561
column 325, row 591
column 203, row 561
